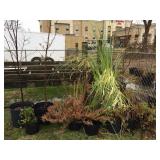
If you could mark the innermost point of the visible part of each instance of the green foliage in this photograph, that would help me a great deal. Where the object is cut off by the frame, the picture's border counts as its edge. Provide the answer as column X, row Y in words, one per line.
column 28, row 116
column 105, row 89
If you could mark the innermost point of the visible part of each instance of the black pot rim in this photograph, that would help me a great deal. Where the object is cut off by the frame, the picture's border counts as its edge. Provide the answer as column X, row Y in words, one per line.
column 21, row 104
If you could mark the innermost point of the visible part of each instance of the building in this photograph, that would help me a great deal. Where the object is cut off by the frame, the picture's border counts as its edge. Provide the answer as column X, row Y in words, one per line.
column 82, row 31
column 132, row 35
column 114, row 25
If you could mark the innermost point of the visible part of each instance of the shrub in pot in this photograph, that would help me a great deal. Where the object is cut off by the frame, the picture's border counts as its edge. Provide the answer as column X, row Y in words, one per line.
column 15, row 109
column 132, row 119
column 114, row 126
column 72, row 112
column 40, row 109
column 68, row 112
column 75, row 125
column 92, row 121
column 29, row 120
column 91, row 127
column 141, row 117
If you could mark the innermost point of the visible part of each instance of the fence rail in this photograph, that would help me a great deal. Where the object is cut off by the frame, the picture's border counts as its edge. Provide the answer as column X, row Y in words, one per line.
column 59, row 71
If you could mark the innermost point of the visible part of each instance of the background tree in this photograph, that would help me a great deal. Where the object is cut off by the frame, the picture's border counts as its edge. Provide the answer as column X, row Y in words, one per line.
column 15, row 48
column 46, row 46
column 147, row 25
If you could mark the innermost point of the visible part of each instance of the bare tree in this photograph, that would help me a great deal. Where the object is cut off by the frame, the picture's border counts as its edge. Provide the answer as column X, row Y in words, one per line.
column 147, row 25
column 46, row 47
column 11, row 28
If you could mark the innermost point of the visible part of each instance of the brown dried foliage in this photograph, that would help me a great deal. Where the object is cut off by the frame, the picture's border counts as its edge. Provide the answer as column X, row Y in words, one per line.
column 72, row 109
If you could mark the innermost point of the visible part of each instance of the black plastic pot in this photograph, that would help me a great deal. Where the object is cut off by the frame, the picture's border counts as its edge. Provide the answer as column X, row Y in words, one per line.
column 133, row 123
column 75, row 125
column 115, row 126
column 32, row 128
column 135, row 71
column 92, row 129
column 40, row 109
column 148, row 79
column 15, row 112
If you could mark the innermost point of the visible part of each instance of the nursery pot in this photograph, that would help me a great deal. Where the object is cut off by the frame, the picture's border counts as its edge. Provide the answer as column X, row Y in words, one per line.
column 32, row 128
column 114, row 126
column 75, row 125
column 148, row 79
column 133, row 123
column 40, row 109
column 15, row 109
column 92, row 129
column 135, row 71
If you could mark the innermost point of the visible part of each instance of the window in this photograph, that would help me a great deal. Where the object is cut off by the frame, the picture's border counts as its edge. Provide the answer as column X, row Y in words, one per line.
column 76, row 29
column 67, row 28
column 118, row 28
column 149, row 35
column 109, row 28
column 109, row 39
column 102, row 31
column 76, row 45
column 57, row 29
column 40, row 27
column 86, row 28
column 94, row 38
column 136, row 35
column 86, row 37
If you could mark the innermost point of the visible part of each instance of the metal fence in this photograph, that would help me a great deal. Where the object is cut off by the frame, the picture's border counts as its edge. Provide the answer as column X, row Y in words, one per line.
column 138, row 71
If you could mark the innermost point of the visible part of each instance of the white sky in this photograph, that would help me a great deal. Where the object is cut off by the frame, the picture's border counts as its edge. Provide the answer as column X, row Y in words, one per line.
column 30, row 25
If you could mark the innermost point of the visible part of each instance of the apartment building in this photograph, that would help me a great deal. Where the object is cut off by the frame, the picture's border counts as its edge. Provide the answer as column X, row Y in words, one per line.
column 134, row 34
column 84, row 30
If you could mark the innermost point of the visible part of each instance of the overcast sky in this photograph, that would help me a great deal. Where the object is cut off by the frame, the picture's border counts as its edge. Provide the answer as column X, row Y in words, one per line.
column 30, row 25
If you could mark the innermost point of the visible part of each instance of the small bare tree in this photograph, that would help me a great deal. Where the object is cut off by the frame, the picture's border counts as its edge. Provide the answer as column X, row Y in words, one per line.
column 46, row 47
column 11, row 38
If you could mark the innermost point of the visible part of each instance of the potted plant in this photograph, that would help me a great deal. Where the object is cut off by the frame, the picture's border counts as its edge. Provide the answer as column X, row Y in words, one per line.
column 91, row 128
column 40, row 109
column 75, row 125
column 15, row 110
column 92, row 121
column 68, row 113
column 114, row 125
column 29, row 120
column 13, row 46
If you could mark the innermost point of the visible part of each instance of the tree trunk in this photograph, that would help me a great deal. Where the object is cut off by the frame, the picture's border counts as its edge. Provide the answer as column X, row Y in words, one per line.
column 147, row 25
